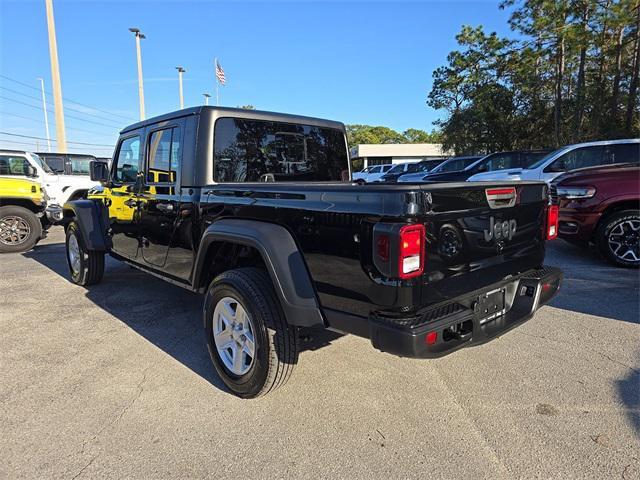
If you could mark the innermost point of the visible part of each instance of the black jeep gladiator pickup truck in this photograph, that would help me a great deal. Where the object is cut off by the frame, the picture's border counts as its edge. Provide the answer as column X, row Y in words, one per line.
column 257, row 211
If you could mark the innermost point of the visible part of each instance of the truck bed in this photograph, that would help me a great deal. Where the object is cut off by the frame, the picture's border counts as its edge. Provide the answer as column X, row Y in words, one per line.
column 333, row 225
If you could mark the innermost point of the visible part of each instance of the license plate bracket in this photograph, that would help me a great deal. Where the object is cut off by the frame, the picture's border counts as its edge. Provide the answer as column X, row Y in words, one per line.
column 490, row 305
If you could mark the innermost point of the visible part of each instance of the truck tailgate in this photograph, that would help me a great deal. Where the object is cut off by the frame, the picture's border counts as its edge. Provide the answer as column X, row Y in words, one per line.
column 479, row 233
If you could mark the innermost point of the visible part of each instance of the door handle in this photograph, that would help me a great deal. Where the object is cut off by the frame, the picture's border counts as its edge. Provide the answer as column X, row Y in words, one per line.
column 131, row 203
column 165, row 207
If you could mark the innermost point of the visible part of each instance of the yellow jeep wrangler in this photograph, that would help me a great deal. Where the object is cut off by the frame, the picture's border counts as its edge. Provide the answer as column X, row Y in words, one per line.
column 23, row 220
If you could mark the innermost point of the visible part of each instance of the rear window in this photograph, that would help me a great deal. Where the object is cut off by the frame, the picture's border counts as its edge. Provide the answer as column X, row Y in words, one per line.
column 622, row 153
column 262, row 151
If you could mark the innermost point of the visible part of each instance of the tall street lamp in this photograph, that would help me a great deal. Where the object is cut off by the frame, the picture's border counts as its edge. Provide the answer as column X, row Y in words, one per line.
column 46, row 118
column 206, row 98
column 180, row 72
column 139, row 36
column 55, row 79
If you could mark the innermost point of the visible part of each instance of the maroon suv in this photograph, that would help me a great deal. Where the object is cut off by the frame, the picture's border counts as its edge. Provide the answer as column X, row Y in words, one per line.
column 602, row 205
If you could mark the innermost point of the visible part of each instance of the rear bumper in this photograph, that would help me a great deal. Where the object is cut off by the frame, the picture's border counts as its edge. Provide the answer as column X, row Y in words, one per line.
column 459, row 323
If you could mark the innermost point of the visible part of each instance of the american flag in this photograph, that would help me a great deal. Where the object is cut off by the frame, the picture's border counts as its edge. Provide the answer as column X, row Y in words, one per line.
column 220, row 74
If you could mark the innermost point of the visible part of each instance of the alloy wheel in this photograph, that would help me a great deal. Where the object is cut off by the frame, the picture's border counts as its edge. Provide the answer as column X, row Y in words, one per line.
column 233, row 335
column 14, row 230
column 624, row 240
column 73, row 253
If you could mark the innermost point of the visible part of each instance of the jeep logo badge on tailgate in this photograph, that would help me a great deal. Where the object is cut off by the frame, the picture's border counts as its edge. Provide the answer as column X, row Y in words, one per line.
column 501, row 230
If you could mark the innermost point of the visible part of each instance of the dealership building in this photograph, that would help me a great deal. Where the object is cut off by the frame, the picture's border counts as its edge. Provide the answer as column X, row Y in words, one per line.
column 378, row 154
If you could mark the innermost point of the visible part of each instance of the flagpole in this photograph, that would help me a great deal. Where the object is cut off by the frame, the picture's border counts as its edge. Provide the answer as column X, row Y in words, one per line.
column 215, row 72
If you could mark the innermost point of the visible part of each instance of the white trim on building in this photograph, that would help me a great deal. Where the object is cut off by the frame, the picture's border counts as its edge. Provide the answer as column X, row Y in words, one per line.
column 377, row 154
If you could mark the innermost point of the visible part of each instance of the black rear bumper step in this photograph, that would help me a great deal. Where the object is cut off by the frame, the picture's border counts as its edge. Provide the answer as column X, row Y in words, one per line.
column 457, row 324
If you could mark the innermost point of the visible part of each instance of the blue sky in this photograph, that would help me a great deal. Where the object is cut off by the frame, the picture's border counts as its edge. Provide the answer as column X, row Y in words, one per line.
column 357, row 62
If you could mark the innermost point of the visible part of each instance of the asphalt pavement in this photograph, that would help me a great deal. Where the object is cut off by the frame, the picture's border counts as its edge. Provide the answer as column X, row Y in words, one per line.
column 115, row 382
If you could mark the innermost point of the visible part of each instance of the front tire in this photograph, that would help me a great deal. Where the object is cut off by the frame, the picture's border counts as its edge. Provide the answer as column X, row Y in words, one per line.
column 252, row 347
column 85, row 266
column 618, row 238
column 20, row 229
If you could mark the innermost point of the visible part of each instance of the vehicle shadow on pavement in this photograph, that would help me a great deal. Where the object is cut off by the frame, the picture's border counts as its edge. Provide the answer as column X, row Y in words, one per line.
column 629, row 392
column 168, row 316
column 593, row 286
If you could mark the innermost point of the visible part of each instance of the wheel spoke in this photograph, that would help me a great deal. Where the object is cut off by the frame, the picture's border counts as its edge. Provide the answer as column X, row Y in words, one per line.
column 249, row 344
column 222, row 336
column 238, row 358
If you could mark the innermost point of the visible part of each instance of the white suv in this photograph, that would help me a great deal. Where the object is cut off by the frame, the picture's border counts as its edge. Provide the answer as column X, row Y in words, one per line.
column 371, row 174
column 567, row 158
column 60, row 188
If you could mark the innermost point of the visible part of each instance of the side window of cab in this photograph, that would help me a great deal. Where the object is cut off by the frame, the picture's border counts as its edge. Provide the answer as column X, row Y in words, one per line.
column 577, row 158
column 128, row 160
column 10, row 165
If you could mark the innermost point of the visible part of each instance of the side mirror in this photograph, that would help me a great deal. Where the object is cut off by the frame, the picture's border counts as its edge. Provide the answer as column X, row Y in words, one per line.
column 98, row 171
column 482, row 168
column 31, row 171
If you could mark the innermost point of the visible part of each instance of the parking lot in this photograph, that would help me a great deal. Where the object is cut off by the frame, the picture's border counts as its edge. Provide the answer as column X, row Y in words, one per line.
column 115, row 381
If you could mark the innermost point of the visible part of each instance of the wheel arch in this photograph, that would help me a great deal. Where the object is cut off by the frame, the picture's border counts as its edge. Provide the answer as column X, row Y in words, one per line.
column 278, row 253
column 20, row 202
column 614, row 207
column 92, row 218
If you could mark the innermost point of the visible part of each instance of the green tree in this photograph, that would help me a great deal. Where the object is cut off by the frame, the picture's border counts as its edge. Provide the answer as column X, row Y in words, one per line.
column 571, row 75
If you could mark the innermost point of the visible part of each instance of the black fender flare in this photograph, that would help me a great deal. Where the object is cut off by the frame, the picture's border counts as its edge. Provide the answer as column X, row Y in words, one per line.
column 93, row 219
column 283, row 259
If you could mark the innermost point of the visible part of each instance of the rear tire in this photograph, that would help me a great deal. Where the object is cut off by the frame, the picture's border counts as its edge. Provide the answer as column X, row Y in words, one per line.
column 242, row 316
column 20, row 229
column 85, row 266
column 618, row 238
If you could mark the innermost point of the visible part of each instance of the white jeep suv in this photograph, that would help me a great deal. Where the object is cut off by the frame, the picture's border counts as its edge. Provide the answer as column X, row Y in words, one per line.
column 60, row 188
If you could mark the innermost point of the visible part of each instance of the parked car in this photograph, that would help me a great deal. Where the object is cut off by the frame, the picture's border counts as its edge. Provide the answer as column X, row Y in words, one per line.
column 601, row 205
column 274, row 256
column 568, row 158
column 67, row 163
column 493, row 161
column 423, row 166
column 23, row 220
column 371, row 173
column 454, row 164
column 60, row 188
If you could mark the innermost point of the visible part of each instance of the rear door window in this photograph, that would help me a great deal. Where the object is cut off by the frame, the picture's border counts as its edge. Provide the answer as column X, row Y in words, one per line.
column 80, row 165
column 578, row 158
column 164, row 152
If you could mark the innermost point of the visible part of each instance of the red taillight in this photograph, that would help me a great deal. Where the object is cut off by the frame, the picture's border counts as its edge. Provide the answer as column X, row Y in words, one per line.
column 411, row 261
column 552, row 222
column 431, row 338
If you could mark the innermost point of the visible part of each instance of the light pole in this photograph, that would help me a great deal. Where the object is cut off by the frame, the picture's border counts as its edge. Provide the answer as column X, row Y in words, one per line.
column 55, row 79
column 46, row 119
column 180, row 72
column 206, row 98
column 139, row 36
